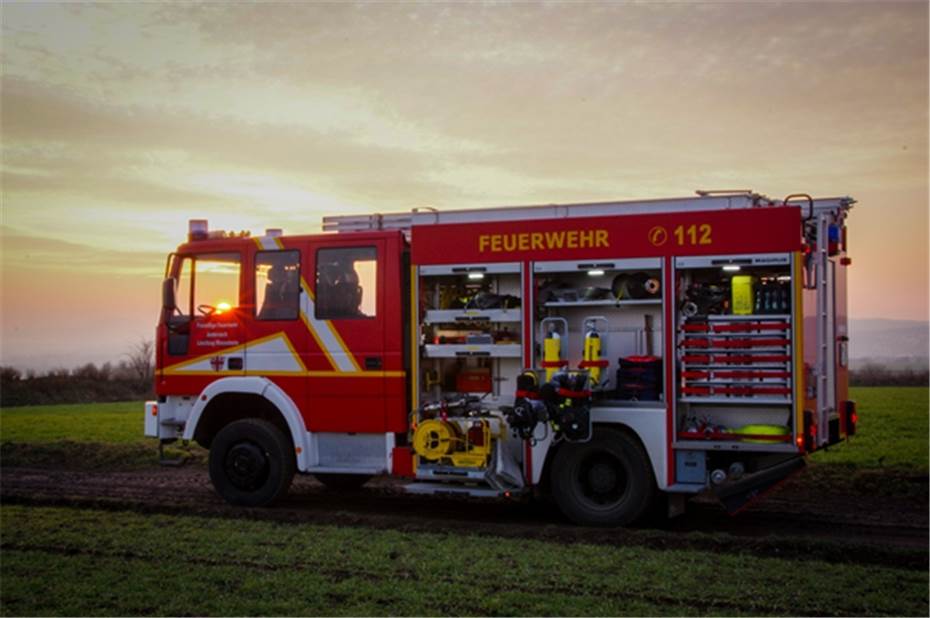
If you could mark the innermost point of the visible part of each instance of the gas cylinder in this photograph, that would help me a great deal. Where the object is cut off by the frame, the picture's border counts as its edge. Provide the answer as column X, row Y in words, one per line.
column 552, row 352
column 592, row 351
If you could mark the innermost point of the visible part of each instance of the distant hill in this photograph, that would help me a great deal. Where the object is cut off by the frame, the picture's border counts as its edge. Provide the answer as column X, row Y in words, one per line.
column 899, row 344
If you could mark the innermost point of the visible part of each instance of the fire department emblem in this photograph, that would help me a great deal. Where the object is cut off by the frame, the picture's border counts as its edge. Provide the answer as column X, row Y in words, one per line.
column 217, row 363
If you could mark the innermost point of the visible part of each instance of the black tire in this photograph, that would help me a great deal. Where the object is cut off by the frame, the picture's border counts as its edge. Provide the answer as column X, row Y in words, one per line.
column 343, row 481
column 251, row 463
column 605, row 482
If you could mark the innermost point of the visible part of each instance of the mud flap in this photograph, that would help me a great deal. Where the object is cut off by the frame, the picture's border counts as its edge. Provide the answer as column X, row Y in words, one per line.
column 738, row 495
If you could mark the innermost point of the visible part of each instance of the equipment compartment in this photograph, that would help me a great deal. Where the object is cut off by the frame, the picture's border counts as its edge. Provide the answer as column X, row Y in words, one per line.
column 605, row 317
column 471, row 321
column 735, row 346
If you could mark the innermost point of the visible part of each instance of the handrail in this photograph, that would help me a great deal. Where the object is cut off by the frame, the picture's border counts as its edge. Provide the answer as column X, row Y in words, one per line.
column 809, row 199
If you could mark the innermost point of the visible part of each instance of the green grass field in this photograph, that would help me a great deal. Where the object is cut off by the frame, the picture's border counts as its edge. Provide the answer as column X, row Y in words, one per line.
column 110, row 423
column 893, row 428
column 103, row 436
column 106, row 563
column 69, row 561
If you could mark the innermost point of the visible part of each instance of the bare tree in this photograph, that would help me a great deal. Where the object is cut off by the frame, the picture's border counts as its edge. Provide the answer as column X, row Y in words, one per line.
column 142, row 361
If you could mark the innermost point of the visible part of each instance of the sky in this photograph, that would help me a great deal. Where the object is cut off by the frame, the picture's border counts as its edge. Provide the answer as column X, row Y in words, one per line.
column 119, row 122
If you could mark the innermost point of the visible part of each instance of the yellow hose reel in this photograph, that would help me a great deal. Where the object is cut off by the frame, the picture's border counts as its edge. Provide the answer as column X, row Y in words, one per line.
column 443, row 441
column 435, row 439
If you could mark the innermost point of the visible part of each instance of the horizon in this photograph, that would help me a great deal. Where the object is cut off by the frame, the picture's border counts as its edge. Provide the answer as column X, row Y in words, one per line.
column 121, row 122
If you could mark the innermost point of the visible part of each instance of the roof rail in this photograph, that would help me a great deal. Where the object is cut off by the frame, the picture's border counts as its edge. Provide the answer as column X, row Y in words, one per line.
column 429, row 215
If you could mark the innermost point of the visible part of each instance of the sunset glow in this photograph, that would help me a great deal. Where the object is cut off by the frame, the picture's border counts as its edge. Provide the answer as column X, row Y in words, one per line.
column 120, row 122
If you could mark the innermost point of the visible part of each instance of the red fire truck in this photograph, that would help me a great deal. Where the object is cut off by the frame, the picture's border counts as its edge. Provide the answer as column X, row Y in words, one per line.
column 607, row 354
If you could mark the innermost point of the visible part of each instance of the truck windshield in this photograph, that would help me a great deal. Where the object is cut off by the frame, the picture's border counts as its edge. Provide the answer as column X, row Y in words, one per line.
column 208, row 283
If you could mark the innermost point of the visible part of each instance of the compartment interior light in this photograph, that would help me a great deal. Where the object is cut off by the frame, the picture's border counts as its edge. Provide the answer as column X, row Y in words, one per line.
column 595, row 272
column 731, row 268
column 476, row 276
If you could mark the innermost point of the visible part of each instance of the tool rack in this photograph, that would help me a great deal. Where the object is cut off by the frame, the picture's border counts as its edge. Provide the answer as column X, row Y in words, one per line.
column 446, row 345
column 734, row 370
column 744, row 359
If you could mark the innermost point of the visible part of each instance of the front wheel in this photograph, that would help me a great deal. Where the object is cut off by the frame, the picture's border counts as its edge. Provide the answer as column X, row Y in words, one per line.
column 607, row 481
column 251, row 463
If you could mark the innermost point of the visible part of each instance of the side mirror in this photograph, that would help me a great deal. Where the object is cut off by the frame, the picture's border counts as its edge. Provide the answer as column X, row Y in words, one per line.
column 169, row 296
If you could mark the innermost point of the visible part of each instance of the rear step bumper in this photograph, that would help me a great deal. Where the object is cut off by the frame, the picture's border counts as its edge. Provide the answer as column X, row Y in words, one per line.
column 738, row 495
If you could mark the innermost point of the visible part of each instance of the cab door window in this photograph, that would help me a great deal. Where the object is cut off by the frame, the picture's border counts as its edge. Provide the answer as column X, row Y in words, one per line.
column 277, row 285
column 346, row 283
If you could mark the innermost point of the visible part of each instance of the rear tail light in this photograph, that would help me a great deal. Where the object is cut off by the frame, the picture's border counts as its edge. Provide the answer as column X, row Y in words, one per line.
column 810, row 432
column 852, row 418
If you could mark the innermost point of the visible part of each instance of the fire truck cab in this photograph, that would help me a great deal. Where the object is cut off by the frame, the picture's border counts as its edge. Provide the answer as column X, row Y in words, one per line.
column 609, row 354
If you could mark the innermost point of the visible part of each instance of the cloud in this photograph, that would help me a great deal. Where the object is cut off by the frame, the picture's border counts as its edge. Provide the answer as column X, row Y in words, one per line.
column 36, row 253
column 400, row 105
column 35, row 114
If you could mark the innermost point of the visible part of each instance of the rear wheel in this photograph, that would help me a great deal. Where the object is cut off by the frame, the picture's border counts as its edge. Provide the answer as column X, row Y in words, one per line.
column 251, row 463
column 605, row 482
column 343, row 481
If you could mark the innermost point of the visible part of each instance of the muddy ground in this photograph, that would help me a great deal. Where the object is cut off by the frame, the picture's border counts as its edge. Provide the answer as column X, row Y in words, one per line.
column 878, row 518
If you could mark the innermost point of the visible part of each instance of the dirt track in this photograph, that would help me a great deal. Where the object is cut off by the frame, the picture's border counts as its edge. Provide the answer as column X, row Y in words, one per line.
column 793, row 521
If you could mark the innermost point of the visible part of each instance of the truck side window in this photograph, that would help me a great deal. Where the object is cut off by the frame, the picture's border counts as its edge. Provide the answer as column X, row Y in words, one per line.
column 346, row 283
column 216, row 282
column 277, row 285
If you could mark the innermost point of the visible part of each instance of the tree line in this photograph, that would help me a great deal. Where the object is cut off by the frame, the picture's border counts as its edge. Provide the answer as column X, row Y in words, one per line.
column 874, row 374
column 130, row 378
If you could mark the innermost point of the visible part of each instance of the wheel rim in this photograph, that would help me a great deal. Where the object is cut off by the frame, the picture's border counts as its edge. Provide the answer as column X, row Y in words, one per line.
column 246, row 465
column 602, row 480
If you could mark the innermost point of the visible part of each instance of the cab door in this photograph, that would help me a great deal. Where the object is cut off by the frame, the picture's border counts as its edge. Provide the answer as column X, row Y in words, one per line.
column 205, row 337
column 344, row 310
column 275, row 330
